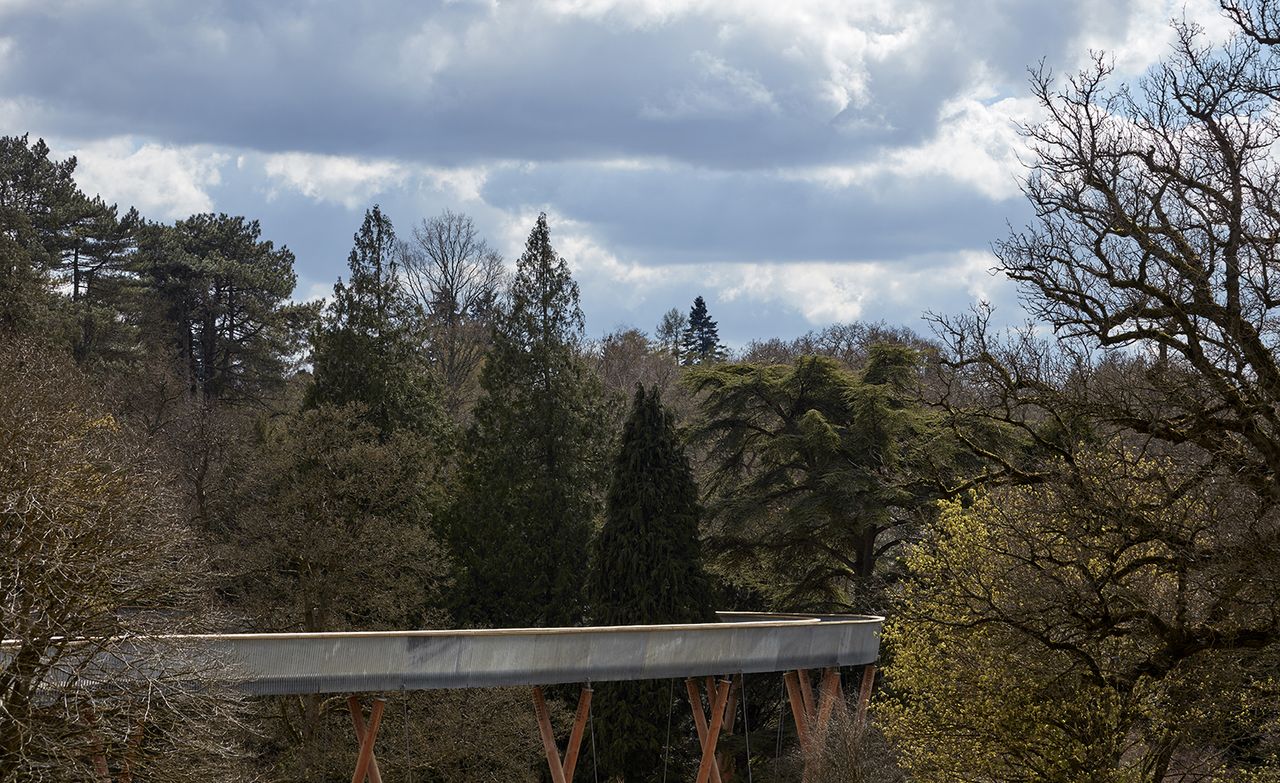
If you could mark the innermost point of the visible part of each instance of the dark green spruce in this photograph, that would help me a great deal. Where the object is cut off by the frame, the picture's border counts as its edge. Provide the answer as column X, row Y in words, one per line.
column 700, row 342
column 647, row 569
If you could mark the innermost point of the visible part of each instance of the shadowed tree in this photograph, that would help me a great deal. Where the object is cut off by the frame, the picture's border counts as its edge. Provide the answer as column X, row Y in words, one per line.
column 535, row 457
column 219, row 295
column 647, row 569
column 812, row 479
column 367, row 347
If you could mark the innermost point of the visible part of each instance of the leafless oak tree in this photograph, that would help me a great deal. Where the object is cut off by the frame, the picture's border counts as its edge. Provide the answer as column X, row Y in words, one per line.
column 455, row 278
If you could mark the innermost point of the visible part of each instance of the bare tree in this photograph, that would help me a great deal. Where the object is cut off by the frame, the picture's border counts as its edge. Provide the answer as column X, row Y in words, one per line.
column 455, row 278
column 96, row 562
column 1152, row 260
column 1157, row 228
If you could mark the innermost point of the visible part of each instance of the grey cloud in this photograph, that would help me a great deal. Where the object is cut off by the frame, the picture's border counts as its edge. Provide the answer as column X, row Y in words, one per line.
column 515, row 83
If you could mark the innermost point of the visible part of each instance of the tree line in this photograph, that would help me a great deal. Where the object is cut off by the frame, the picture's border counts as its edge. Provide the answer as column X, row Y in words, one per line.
column 1072, row 527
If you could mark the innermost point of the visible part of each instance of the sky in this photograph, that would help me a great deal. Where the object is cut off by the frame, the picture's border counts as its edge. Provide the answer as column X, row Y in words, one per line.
column 796, row 163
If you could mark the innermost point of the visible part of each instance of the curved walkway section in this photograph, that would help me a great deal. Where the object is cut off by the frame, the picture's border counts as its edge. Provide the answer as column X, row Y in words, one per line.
column 423, row 660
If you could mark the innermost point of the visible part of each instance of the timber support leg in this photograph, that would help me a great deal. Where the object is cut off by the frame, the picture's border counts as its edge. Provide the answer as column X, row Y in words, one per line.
column 366, row 762
column 798, row 711
column 708, row 735
column 828, row 694
column 723, row 758
column 864, row 694
column 562, row 769
column 812, row 716
column 97, row 750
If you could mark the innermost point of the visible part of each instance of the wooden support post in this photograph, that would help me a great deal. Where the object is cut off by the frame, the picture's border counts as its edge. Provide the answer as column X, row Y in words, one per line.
column 806, row 690
column 708, row 769
column 562, row 771
column 132, row 747
column 548, row 736
column 97, row 750
column 827, row 696
column 700, row 720
column 575, row 737
column 731, row 711
column 357, row 723
column 366, row 765
column 723, row 758
column 864, row 694
column 792, row 680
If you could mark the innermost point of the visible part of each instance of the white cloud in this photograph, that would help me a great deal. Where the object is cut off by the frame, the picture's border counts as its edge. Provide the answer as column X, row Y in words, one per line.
column 719, row 88
column 844, row 36
column 826, row 292
column 338, row 179
column 354, row 182
column 977, row 143
column 161, row 180
column 1146, row 36
column 462, row 184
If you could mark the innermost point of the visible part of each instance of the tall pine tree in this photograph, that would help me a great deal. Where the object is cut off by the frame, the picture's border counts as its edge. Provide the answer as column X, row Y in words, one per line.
column 700, row 343
column 219, row 294
column 520, row 526
column 367, row 347
column 647, row 569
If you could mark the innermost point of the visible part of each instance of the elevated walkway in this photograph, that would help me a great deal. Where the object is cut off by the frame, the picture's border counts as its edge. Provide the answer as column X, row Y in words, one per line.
column 741, row 643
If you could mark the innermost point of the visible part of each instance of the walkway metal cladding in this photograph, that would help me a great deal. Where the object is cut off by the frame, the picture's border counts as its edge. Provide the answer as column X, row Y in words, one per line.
column 295, row 663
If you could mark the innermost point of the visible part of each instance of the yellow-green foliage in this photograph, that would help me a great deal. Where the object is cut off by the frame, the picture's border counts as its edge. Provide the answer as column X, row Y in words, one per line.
column 975, row 701
column 1067, row 632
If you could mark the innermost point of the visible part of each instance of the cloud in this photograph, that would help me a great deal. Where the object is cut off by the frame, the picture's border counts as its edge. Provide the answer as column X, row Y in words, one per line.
column 1135, row 35
column 348, row 181
column 162, row 181
column 977, row 144
column 716, row 88
column 354, row 182
column 718, row 83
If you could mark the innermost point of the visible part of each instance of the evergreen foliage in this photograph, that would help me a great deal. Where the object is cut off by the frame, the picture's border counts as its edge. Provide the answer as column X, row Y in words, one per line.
column 647, row 569
column 520, row 526
column 647, row 565
column 366, row 349
column 35, row 194
column 55, row 239
column 814, row 470
column 700, row 342
column 219, row 295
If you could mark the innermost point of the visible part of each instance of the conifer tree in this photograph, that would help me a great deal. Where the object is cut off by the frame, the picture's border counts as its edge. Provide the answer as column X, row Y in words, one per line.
column 366, row 349
column 520, row 526
column 647, row 569
column 700, row 343
column 219, row 295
